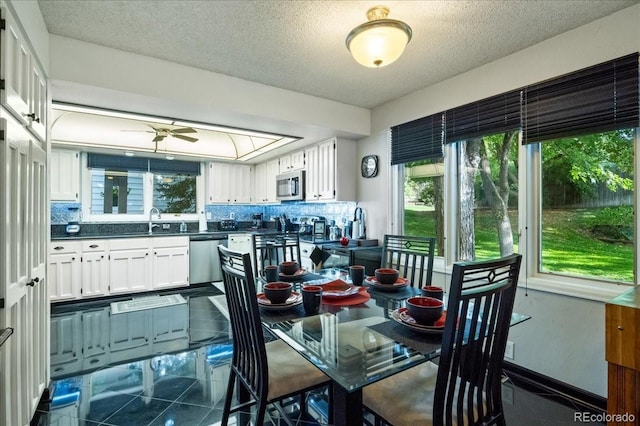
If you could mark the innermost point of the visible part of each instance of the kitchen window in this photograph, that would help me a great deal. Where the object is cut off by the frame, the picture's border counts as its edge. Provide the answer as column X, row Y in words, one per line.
column 125, row 188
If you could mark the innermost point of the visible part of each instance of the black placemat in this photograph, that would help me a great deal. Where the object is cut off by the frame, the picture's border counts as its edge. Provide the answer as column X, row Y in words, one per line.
column 423, row 343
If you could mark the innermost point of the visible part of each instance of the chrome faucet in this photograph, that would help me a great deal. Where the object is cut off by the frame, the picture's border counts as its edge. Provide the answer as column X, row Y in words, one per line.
column 151, row 224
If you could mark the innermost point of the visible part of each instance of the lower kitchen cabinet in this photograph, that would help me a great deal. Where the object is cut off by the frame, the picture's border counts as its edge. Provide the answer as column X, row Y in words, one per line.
column 64, row 270
column 130, row 335
column 170, row 262
column 95, row 268
column 129, row 265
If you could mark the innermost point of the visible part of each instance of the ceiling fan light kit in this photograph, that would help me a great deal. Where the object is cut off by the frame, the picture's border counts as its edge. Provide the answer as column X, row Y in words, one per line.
column 380, row 41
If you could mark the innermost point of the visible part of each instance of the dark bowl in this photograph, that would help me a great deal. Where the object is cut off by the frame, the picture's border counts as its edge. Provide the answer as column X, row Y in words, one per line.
column 387, row 275
column 289, row 268
column 277, row 292
column 425, row 310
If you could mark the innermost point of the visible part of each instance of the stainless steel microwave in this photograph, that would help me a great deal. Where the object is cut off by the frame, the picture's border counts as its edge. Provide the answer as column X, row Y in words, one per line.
column 290, row 186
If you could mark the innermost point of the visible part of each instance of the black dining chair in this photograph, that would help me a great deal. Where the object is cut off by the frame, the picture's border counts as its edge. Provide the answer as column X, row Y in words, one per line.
column 272, row 249
column 264, row 372
column 411, row 256
column 464, row 388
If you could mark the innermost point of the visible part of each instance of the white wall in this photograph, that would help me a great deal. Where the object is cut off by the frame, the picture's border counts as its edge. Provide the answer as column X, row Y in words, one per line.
column 98, row 76
column 565, row 337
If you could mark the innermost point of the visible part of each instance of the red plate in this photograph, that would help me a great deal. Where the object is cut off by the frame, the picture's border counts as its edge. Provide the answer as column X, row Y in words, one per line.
column 400, row 283
column 299, row 273
column 294, row 299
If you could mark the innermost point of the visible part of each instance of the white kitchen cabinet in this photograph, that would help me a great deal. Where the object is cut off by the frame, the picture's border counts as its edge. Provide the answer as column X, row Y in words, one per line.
column 305, row 252
column 170, row 328
column 265, row 182
column 65, row 175
column 129, row 265
column 25, row 84
column 170, row 262
column 24, row 218
column 65, row 270
column 229, row 183
column 292, row 162
column 95, row 268
column 331, row 171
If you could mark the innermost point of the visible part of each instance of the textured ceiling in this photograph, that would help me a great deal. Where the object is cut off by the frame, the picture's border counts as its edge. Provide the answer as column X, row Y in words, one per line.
column 299, row 45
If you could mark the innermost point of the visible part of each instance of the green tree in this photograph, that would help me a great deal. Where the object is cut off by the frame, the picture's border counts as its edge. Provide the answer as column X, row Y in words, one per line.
column 179, row 192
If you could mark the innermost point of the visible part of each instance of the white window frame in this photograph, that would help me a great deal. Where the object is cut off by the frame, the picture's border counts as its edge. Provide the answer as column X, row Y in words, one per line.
column 85, row 200
column 529, row 226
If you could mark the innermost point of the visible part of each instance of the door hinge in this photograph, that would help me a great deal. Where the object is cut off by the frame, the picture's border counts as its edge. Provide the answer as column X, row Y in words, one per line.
column 1, row 135
column 3, row 24
column 80, row 291
column 2, row 84
column 1, row 303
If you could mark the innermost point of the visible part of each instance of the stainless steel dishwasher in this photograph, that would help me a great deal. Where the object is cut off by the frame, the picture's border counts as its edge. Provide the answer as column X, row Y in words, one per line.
column 204, row 261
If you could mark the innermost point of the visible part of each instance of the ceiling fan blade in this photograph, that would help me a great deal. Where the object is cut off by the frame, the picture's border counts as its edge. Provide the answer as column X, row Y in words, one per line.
column 186, row 138
column 158, row 138
column 138, row 131
column 184, row 130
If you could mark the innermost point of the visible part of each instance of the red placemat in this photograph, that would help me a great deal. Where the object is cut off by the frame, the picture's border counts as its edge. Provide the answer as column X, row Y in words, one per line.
column 362, row 297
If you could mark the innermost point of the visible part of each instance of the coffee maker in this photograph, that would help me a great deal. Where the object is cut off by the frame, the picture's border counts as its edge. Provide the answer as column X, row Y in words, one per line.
column 256, row 221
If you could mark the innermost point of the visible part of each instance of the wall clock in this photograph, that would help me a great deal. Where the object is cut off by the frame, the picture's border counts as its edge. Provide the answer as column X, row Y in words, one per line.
column 369, row 166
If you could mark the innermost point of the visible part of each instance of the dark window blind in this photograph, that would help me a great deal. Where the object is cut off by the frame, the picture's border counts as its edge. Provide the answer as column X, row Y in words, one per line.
column 600, row 98
column 157, row 165
column 116, row 162
column 140, row 164
column 417, row 140
column 485, row 117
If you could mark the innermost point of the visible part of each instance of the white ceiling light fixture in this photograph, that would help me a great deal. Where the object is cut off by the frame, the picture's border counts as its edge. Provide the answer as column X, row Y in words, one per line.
column 380, row 41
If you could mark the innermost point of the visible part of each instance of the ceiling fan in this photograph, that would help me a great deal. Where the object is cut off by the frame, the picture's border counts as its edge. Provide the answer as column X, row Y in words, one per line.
column 163, row 132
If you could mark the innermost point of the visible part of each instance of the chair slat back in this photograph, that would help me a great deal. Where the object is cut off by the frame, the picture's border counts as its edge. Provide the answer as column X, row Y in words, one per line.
column 249, row 352
column 272, row 249
column 468, row 386
column 411, row 256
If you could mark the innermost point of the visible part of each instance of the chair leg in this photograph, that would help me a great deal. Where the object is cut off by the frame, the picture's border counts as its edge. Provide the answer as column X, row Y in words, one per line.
column 229, row 397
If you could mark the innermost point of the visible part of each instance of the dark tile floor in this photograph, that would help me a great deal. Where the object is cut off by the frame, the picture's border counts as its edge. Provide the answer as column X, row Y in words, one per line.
column 169, row 366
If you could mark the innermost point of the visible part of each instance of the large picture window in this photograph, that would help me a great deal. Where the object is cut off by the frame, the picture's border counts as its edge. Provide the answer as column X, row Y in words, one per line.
column 587, row 195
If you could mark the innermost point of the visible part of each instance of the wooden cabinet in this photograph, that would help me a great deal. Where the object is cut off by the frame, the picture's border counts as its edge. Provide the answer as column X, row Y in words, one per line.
column 331, row 171
column 65, row 270
column 65, row 175
column 129, row 265
column 95, row 268
column 265, row 182
column 292, row 162
column 170, row 262
column 622, row 352
column 228, row 183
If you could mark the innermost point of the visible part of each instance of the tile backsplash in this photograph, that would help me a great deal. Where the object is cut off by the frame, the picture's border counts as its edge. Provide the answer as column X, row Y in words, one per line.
column 60, row 213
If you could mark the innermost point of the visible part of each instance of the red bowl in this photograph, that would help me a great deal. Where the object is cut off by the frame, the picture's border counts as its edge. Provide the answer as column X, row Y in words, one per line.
column 387, row 275
column 277, row 292
column 425, row 310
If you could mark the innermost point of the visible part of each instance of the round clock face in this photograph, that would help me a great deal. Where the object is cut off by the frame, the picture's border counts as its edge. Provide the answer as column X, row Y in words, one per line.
column 369, row 166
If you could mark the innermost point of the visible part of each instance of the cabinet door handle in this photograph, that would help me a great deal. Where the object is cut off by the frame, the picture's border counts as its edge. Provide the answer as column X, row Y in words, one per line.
column 93, row 246
column 73, row 258
column 620, row 328
column 33, row 282
column 58, row 248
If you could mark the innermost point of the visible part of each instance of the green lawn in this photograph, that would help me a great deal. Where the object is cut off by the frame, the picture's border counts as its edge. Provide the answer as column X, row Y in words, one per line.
column 568, row 245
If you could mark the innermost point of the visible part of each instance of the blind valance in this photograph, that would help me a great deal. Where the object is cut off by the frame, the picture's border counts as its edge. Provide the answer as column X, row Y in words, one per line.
column 140, row 164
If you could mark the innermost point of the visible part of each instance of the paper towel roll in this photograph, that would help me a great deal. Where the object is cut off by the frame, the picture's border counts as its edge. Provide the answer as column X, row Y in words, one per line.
column 203, row 223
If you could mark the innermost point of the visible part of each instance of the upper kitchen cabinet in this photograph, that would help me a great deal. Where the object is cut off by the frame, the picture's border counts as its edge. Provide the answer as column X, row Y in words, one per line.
column 25, row 84
column 331, row 171
column 265, row 181
column 65, row 175
column 228, row 183
column 292, row 162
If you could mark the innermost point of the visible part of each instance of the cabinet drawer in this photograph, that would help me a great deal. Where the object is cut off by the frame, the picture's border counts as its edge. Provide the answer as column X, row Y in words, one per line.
column 622, row 334
column 63, row 247
column 94, row 245
column 164, row 242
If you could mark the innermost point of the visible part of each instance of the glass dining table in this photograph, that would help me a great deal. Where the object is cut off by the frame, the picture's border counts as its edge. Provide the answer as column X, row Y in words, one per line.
column 355, row 339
